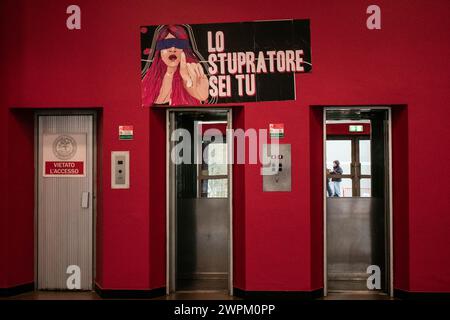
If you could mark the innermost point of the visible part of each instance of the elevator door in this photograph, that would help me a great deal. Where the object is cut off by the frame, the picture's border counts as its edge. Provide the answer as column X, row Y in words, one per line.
column 200, row 211
column 65, row 202
column 357, row 221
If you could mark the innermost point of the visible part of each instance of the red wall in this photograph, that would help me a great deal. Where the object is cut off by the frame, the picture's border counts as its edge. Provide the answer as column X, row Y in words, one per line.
column 342, row 129
column 316, row 189
column 400, row 190
column 157, row 196
column 405, row 63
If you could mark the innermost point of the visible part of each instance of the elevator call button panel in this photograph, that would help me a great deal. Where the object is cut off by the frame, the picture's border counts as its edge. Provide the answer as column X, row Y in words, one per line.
column 276, row 170
column 120, row 169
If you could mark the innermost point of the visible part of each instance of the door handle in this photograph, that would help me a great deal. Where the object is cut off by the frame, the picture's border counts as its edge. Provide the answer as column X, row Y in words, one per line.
column 85, row 200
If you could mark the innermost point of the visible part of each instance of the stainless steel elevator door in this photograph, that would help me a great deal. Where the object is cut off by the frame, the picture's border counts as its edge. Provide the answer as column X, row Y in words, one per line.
column 202, row 243
column 64, row 200
column 358, row 223
column 355, row 240
column 199, row 206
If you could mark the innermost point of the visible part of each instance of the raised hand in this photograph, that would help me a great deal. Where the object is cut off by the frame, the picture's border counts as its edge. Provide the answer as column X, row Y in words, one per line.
column 194, row 79
column 184, row 71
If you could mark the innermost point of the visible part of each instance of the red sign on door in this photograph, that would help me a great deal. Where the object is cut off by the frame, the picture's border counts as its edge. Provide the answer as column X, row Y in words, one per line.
column 64, row 168
column 64, row 154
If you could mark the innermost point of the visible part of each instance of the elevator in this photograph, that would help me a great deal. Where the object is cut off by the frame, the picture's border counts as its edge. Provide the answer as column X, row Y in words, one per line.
column 65, row 200
column 358, row 214
column 199, row 200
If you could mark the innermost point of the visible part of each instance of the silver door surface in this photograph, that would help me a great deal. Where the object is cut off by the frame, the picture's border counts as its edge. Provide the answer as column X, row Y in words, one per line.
column 64, row 200
column 355, row 241
column 202, row 236
column 198, row 227
column 358, row 228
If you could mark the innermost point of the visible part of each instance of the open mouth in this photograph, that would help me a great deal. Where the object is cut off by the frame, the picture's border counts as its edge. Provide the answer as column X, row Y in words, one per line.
column 172, row 57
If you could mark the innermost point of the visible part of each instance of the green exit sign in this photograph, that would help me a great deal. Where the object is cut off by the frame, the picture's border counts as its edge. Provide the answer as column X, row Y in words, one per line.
column 354, row 128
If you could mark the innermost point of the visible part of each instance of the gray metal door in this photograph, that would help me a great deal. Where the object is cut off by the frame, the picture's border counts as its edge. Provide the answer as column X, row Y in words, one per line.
column 355, row 241
column 358, row 221
column 199, row 211
column 65, row 201
column 202, row 243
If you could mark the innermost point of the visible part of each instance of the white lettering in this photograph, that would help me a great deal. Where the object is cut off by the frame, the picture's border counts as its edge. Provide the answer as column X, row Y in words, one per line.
column 74, row 280
column 374, row 20
column 74, row 20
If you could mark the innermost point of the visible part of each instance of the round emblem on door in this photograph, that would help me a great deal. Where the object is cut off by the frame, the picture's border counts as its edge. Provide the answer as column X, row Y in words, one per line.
column 64, row 147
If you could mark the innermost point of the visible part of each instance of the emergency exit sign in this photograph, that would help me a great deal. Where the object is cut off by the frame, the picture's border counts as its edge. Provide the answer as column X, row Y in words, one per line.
column 125, row 132
column 354, row 128
column 276, row 130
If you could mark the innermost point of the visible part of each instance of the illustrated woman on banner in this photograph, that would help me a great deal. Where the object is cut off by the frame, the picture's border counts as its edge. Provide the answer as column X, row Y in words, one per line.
column 175, row 76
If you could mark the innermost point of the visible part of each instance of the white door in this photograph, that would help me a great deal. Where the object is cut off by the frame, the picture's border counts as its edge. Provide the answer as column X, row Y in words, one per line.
column 65, row 202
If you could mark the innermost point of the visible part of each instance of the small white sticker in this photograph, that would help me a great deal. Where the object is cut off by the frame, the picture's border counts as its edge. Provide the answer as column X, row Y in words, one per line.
column 374, row 280
column 74, row 280
column 374, row 20
column 73, row 21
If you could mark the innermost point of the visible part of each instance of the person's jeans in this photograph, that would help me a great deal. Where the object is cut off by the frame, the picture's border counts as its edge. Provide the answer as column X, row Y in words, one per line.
column 337, row 188
column 329, row 190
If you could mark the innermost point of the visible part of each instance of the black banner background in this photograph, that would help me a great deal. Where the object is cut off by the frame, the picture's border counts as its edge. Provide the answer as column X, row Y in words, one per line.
column 252, row 36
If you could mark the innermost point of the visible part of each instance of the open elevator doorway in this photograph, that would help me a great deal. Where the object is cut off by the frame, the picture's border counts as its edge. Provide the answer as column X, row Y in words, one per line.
column 358, row 214
column 199, row 228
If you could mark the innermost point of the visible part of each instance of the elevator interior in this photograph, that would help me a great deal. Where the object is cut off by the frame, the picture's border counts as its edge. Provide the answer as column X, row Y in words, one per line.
column 358, row 220
column 199, row 201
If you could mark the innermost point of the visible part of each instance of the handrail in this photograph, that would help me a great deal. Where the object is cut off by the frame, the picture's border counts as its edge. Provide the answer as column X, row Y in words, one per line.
column 349, row 176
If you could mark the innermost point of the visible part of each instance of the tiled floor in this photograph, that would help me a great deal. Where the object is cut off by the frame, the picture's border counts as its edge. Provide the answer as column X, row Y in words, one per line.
column 55, row 295
column 362, row 295
column 198, row 296
column 209, row 295
column 202, row 284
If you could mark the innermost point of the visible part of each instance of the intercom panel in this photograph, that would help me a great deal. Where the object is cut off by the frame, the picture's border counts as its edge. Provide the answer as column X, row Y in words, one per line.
column 120, row 169
column 276, row 170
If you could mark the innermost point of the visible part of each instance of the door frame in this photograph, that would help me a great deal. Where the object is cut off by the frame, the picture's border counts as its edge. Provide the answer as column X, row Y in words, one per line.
column 170, row 225
column 66, row 112
column 390, row 247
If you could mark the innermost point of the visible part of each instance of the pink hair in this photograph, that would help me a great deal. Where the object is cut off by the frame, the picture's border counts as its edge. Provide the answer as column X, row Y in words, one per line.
column 151, row 83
